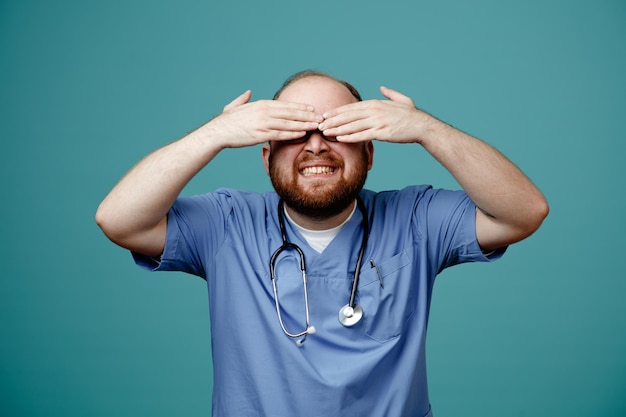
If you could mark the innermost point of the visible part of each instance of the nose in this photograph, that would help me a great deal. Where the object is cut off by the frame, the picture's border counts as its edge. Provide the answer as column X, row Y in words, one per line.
column 317, row 143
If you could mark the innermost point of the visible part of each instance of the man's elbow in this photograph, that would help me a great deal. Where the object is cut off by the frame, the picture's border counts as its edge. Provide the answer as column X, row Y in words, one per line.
column 115, row 225
column 541, row 211
column 106, row 222
column 147, row 240
column 535, row 215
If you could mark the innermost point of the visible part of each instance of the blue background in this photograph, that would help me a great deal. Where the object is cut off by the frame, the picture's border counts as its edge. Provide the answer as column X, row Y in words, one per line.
column 88, row 88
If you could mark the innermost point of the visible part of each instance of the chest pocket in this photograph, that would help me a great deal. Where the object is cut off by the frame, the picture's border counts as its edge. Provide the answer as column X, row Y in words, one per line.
column 386, row 307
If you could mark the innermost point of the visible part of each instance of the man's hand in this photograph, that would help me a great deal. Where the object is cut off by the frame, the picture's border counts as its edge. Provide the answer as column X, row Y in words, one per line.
column 245, row 123
column 394, row 120
column 516, row 207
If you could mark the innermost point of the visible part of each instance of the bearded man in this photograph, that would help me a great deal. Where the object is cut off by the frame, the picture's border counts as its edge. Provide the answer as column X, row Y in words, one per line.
column 346, row 273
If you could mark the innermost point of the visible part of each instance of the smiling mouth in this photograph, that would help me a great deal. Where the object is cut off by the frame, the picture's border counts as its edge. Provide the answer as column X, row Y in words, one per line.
column 319, row 170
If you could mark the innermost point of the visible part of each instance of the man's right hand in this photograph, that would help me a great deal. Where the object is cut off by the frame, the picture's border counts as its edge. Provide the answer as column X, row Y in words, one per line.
column 245, row 123
column 134, row 214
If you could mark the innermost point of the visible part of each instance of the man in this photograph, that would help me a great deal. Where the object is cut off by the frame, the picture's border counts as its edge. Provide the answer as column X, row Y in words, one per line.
column 359, row 315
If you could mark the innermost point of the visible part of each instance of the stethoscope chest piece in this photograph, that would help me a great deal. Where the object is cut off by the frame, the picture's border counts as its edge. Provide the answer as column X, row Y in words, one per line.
column 351, row 313
column 349, row 316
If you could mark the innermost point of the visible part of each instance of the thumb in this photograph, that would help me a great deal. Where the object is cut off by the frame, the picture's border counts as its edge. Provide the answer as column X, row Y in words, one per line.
column 242, row 99
column 393, row 95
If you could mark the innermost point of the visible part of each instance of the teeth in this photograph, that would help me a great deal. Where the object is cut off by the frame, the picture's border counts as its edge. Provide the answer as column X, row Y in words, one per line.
column 317, row 170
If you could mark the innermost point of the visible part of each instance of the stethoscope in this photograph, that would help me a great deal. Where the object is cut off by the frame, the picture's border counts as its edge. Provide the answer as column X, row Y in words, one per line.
column 351, row 313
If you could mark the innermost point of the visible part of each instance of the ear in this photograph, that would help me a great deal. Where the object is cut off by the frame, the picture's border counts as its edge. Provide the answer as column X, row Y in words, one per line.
column 265, row 153
column 369, row 149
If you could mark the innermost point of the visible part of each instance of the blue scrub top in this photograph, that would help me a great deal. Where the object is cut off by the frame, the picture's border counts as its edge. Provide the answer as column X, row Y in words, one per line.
column 378, row 366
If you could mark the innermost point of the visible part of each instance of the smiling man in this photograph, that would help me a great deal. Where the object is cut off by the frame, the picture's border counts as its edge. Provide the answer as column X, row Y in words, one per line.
column 344, row 272
column 317, row 176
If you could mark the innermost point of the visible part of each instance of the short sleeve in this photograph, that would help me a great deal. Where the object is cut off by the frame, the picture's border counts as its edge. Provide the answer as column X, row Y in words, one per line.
column 448, row 221
column 195, row 229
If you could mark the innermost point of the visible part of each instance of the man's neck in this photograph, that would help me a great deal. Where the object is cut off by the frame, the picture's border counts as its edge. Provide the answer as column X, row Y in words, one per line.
column 314, row 223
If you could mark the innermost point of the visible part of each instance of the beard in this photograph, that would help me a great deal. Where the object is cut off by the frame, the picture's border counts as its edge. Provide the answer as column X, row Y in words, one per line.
column 322, row 199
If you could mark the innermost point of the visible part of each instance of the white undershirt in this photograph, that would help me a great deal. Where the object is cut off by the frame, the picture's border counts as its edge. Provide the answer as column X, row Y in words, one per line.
column 319, row 239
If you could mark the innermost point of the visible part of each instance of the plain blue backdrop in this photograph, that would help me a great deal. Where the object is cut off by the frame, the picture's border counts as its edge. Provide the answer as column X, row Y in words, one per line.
column 88, row 88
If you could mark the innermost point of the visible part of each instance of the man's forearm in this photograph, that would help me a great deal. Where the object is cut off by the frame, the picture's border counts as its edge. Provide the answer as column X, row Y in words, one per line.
column 494, row 183
column 133, row 214
column 144, row 195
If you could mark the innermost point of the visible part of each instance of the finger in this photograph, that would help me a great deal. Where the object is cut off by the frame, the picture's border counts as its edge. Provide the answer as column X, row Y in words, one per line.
column 345, row 109
column 297, row 112
column 346, row 124
column 349, row 128
column 291, row 125
column 242, row 99
column 360, row 136
column 393, row 95
column 281, row 135
column 349, row 113
column 289, row 105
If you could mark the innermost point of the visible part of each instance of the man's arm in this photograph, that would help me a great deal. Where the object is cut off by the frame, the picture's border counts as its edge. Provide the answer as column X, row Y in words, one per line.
column 510, row 206
column 134, row 213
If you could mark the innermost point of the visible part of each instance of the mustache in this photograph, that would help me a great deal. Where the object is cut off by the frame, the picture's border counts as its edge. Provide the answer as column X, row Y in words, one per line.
column 320, row 158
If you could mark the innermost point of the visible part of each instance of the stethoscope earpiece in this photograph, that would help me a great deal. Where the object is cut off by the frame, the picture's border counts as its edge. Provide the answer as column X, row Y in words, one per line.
column 309, row 330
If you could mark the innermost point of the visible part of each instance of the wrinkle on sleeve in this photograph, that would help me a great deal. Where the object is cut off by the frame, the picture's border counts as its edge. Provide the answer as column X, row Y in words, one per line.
column 450, row 228
column 196, row 226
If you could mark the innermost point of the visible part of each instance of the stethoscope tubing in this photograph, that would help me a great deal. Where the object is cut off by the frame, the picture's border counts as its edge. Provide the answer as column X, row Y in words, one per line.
column 351, row 313
column 359, row 260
